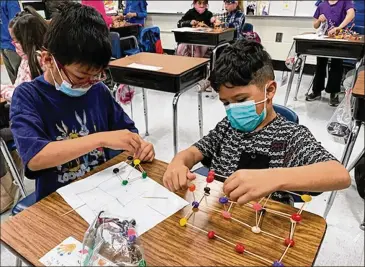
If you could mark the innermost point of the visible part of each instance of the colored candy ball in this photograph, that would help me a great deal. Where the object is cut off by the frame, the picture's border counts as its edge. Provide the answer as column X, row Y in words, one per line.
column 183, row 222
column 195, row 204
column 240, row 248
column 136, row 162
column 223, row 200
column 257, row 206
column 142, row 263
column 306, row 198
column 211, row 234
column 130, row 158
column 207, row 191
column 192, row 188
column 116, row 170
column 277, row 264
column 296, row 217
column 125, row 182
column 131, row 231
column 211, row 173
column 256, row 229
column 132, row 238
column 226, row 215
column 144, row 175
column 288, row 242
column 210, row 179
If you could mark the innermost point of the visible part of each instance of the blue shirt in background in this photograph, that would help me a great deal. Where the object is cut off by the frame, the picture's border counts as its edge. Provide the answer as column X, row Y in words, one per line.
column 9, row 9
column 40, row 114
column 139, row 7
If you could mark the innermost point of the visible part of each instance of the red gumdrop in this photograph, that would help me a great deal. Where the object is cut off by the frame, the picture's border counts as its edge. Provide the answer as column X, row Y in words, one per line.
column 211, row 173
column 210, row 179
column 240, row 248
column 192, row 188
column 296, row 217
column 288, row 242
column 257, row 206
column 211, row 234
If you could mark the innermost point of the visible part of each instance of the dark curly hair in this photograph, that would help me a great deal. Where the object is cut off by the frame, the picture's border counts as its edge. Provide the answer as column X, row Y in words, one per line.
column 241, row 64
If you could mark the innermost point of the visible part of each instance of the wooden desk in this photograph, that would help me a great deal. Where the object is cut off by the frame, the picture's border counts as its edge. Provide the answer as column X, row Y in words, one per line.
column 359, row 89
column 202, row 36
column 178, row 74
column 359, row 93
column 38, row 229
column 310, row 44
column 127, row 30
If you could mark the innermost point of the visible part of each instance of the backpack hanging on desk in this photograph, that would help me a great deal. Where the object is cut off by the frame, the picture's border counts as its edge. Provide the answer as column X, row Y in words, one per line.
column 150, row 41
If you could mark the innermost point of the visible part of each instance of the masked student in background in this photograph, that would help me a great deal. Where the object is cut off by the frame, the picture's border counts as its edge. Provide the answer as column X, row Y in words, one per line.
column 257, row 149
column 198, row 16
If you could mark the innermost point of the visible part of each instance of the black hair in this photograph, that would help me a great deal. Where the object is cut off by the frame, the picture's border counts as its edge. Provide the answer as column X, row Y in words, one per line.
column 205, row 1
column 243, row 63
column 78, row 34
column 29, row 29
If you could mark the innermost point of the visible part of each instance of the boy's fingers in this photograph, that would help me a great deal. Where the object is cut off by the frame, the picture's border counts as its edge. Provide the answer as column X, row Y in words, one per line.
column 230, row 186
column 237, row 193
column 191, row 176
column 244, row 199
column 182, row 179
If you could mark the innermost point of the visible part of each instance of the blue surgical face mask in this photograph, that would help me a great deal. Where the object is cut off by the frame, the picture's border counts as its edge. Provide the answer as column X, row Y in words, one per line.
column 66, row 87
column 243, row 116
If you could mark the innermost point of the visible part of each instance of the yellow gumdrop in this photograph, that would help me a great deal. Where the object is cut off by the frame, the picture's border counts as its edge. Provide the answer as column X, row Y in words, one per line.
column 183, row 222
column 136, row 162
column 306, row 198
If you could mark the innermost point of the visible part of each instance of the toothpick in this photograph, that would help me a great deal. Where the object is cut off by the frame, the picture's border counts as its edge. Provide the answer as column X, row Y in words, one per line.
column 230, row 206
column 292, row 229
column 72, row 210
column 301, row 209
column 272, row 235
column 257, row 222
column 221, row 176
column 278, row 213
column 245, row 224
column 286, row 250
column 259, row 257
column 293, row 193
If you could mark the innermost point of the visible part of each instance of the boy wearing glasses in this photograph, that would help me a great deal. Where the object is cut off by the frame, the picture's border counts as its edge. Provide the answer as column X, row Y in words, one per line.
column 65, row 121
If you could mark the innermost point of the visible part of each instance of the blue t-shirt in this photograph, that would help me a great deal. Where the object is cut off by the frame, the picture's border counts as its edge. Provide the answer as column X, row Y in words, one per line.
column 139, row 7
column 40, row 114
column 9, row 9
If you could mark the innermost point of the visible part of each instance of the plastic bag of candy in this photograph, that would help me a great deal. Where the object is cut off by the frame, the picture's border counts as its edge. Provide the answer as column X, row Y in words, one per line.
column 340, row 124
column 112, row 241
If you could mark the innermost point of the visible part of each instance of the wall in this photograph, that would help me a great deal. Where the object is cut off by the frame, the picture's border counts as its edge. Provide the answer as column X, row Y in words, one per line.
column 266, row 27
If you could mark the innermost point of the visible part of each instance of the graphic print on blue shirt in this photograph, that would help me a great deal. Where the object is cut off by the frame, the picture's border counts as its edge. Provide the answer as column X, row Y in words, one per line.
column 40, row 114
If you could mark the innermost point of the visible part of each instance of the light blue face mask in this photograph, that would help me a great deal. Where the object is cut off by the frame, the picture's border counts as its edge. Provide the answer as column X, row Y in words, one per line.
column 243, row 116
column 66, row 87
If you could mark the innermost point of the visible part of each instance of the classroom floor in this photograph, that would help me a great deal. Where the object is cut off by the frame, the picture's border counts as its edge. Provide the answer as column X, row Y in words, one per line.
column 343, row 244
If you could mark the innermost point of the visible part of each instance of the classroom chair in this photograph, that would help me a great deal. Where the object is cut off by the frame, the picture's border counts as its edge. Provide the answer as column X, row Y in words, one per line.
column 290, row 115
column 149, row 41
column 117, row 51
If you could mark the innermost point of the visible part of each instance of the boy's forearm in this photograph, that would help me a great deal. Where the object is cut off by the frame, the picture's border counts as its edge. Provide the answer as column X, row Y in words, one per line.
column 60, row 152
column 318, row 177
column 349, row 17
column 188, row 157
column 316, row 24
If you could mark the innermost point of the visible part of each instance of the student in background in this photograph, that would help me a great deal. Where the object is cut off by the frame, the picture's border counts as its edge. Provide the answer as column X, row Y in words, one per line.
column 65, row 121
column 11, row 59
column 235, row 17
column 135, row 11
column 338, row 14
column 198, row 14
column 258, row 150
column 27, row 30
column 100, row 7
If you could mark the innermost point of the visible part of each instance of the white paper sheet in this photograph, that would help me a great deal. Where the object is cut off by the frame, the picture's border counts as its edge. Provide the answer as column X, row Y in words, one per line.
column 104, row 191
column 144, row 67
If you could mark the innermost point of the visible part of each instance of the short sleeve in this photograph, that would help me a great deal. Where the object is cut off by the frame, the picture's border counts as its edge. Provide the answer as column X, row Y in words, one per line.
column 348, row 5
column 303, row 149
column 209, row 144
column 27, row 125
column 317, row 13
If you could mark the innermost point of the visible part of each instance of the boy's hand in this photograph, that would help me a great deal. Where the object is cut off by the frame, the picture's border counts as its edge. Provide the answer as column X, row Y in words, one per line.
column 131, row 15
column 213, row 20
column 121, row 140
column 176, row 177
column 333, row 31
column 146, row 152
column 193, row 22
column 244, row 186
column 322, row 18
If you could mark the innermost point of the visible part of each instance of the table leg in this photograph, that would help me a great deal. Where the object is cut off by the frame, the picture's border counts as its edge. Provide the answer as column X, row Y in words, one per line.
column 18, row 262
column 288, row 89
column 310, row 86
column 192, row 50
column 175, row 122
column 345, row 160
column 145, row 110
column 200, row 112
column 300, row 78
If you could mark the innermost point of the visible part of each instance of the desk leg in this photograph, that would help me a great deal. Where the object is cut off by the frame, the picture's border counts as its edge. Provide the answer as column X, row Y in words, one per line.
column 200, row 112
column 192, row 50
column 345, row 160
column 288, row 89
column 300, row 78
column 175, row 122
column 145, row 110
column 18, row 262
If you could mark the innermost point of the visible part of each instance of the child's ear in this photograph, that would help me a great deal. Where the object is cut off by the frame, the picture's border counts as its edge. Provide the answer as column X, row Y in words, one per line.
column 271, row 90
column 47, row 59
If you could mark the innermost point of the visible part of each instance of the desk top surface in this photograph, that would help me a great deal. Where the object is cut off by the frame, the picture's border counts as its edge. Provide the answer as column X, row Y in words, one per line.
column 172, row 65
column 359, row 88
column 38, row 229
column 314, row 37
column 203, row 30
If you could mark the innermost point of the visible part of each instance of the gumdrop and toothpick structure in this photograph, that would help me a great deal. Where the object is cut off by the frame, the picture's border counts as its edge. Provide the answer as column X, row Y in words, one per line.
column 259, row 208
column 136, row 163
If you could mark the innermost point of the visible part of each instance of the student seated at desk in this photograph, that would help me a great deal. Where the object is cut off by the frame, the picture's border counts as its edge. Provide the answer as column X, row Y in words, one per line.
column 27, row 30
column 260, row 151
column 199, row 15
column 65, row 121
column 135, row 11
column 338, row 14
column 235, row 17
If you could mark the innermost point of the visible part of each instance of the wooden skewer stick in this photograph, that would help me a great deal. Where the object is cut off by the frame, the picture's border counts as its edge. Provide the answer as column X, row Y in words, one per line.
column 272, row 235
column 73, row 210
column 286, row 250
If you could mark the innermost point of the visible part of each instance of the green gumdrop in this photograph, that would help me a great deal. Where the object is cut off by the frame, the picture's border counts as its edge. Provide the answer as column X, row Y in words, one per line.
column 125, row 182
column 142, row 263
column 144, row 175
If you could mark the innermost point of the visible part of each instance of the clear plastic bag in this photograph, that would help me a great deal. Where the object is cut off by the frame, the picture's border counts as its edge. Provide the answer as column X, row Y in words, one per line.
column 340, row 124
column 322, row 30
column 112, row 241
column 289, row 63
